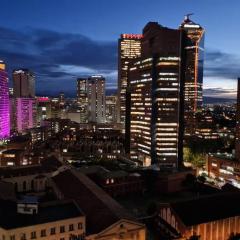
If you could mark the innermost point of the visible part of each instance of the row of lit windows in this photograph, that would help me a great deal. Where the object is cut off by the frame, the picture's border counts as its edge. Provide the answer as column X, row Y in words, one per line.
column 43, row 232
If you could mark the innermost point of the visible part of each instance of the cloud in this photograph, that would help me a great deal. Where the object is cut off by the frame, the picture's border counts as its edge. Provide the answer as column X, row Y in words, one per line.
column 220, row 93
column 57, row 58
column 221, row 64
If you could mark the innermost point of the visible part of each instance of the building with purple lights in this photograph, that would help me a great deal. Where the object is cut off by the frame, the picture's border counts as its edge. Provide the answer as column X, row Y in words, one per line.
column 24, row 114
column 4, row 103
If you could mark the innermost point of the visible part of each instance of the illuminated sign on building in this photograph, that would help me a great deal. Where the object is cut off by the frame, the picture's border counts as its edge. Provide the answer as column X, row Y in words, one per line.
column 133, row 36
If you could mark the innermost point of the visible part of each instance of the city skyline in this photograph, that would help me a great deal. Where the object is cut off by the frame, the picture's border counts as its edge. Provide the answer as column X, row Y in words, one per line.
column 58, row 50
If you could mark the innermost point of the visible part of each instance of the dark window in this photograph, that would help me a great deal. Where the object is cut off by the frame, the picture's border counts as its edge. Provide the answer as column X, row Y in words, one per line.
column 33, row 235
column 43, row 233
column 16, row 187
column 12, row 237
column 62, row 229
column 23, row 236
column 32, row 185
column 71, row 227
column 79, row 225
column 24, row 186
column 52, row 231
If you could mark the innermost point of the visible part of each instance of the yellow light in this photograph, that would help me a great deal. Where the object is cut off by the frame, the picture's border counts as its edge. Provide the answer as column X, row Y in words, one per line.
column 2, row 66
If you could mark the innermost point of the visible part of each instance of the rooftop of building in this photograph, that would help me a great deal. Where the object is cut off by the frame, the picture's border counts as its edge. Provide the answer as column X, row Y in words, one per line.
column 23, row 138
column 207, row 208
column 224, row 156
column 7, row 191
column 47, row 212
column 12, row 151
column 22, row 70
column 113, row 174
column 92, row 169
column 188, row 23
column 49, row 164
column 100, row 209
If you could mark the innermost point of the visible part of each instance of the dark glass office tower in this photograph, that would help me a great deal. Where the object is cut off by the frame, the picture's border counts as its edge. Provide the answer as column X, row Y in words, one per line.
column 193, row 45
column 23, row 83
column 156, row 95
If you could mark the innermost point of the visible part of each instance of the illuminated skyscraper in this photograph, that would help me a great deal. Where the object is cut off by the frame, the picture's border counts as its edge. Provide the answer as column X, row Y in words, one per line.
column 82, row 90
column 82, row 99
column 25, row 114
column 43, row 109
column 156, row 90
column 111, row 104
column 129, row 47
column 23, row 83
column 237, row 141
column 61, row 99
column 4, row 103
column 96, row 99
column 194, row 57
column 24, row 102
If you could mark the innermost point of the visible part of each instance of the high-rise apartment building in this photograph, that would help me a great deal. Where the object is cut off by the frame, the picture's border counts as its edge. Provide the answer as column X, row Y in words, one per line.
column 25, row 114
column 23, row 83
column 237, row 141
column 156, row 94
column 82, row 99
column 82, row 90
column 193, row 45
column 4, row 103
column 24, row 102
column 61, row 99
column 96, row 99
column 129, row 47
column 43, row 109
column 111, row 109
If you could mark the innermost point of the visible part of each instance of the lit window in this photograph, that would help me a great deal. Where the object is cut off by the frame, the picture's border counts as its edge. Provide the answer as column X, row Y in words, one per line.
column 62, row 229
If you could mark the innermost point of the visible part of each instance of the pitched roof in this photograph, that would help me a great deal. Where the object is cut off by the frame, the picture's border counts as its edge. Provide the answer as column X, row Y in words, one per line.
column 48, row 212
column 100, row 209
column 208, row 208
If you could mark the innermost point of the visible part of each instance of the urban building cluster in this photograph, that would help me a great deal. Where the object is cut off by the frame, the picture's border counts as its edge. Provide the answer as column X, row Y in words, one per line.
column 149, row 162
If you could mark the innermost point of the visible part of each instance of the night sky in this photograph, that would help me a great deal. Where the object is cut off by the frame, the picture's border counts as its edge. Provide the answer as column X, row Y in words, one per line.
column 62, row 39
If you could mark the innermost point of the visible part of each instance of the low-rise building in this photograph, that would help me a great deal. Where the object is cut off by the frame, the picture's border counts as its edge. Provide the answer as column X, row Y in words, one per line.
column 211, row 217
column 61, row 220
column 224, row 167
column 12, row 157
column 115, row 183
column 105, row 218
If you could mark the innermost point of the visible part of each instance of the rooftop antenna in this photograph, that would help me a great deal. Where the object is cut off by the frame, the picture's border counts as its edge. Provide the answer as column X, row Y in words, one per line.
column 186, row 17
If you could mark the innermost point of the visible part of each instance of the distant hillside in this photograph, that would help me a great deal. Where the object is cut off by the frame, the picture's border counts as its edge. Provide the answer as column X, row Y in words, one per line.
column 214, row 100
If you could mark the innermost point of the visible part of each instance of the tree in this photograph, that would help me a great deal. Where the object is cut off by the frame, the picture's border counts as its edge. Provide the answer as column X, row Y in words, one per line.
column 201, row 179
column 197, row 159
